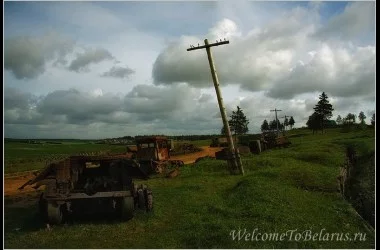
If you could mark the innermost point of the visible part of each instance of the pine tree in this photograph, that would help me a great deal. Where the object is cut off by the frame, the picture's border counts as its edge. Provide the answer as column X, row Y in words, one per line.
column 313, row 122
column 273, row 125
column 362, row 117
column 238, row 123
column 286, row 122
column 324, row 109
column 291, row 122
column 265, row 126
column 373, row 120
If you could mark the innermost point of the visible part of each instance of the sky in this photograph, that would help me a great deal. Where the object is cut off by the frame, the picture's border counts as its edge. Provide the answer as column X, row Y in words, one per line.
column 92, row 70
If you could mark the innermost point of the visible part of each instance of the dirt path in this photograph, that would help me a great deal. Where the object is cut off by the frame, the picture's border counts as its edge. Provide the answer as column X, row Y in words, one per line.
column 12, row 184
column 190, row 158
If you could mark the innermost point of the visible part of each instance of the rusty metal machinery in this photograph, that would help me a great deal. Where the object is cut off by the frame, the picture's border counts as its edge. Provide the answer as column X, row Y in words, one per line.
column 86, row 184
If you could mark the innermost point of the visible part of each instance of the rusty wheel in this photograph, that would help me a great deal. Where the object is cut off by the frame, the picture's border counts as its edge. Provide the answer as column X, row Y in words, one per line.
column 54, row 213
column 148, row 199
column 42, row 207
column 141, row 199
column 127, row 208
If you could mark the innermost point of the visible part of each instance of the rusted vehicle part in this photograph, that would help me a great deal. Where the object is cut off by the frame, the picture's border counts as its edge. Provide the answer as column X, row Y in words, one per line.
column 86, row 184
column 226, row 155
column 282, row 141
column 152, row 148
column 153, row 154
column 256, row 146
column 244, row 149
column 145, row 197
column 222, row 154
column 273, row 141
column 184, row 148
column 173, row 173
column 222, row 141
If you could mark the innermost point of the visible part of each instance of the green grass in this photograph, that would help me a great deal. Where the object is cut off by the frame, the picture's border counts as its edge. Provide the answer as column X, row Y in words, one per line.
column 283, row 189
column 198, row 143
column 23, row 156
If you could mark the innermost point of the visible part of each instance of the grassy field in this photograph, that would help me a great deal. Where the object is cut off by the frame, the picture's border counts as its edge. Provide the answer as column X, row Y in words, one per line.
column 20, row 156
column 290, row 191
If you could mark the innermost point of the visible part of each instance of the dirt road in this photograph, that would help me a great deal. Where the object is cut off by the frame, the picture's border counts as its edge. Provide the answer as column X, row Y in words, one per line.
column 190, row 158
column 11, row 185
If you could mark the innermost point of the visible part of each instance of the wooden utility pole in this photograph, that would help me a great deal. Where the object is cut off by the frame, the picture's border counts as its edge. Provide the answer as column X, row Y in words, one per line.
column 235, row 160
column 275, row 110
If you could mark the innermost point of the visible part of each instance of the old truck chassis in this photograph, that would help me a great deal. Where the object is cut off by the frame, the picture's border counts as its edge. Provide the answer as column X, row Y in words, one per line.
column 91, row 184
column 103, row 183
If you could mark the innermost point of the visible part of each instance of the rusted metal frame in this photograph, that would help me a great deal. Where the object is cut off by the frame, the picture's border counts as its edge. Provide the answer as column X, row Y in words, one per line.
column 76, row 196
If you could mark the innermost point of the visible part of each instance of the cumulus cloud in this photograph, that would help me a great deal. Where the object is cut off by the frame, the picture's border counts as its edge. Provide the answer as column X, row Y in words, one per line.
column 118, row 72
column 205, row 98
column 78, row 106
column 253, row 61
column 150, row 99
column 284, row 57
column 26, row 56
column 89, row 56
column 224, row 28
column 16, row 98
column 357, row 18
column 338, row 71
column 148, row 109
column 169, row 108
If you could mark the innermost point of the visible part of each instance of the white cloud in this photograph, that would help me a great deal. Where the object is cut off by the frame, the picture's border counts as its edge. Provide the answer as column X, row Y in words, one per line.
column 89, row 56
column 118, row 72
column 357, row 18
column 26, row 57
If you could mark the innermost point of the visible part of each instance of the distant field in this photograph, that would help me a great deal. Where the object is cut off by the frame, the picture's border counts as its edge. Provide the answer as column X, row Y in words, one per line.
column 23, row 156
column 283, row 189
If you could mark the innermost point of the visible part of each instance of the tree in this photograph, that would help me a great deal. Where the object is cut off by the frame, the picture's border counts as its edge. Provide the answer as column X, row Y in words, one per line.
column 339, row 120
column 291, row 122
column 223, row 130
column 286, row 122
column 373, row 120
column 273, row 125
column 313, row 122
column 324, row 109
column 362, row 117
column 238, row 123
column 281, row 126
column 350, row 119
column 265, row 126
column 331, row 124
